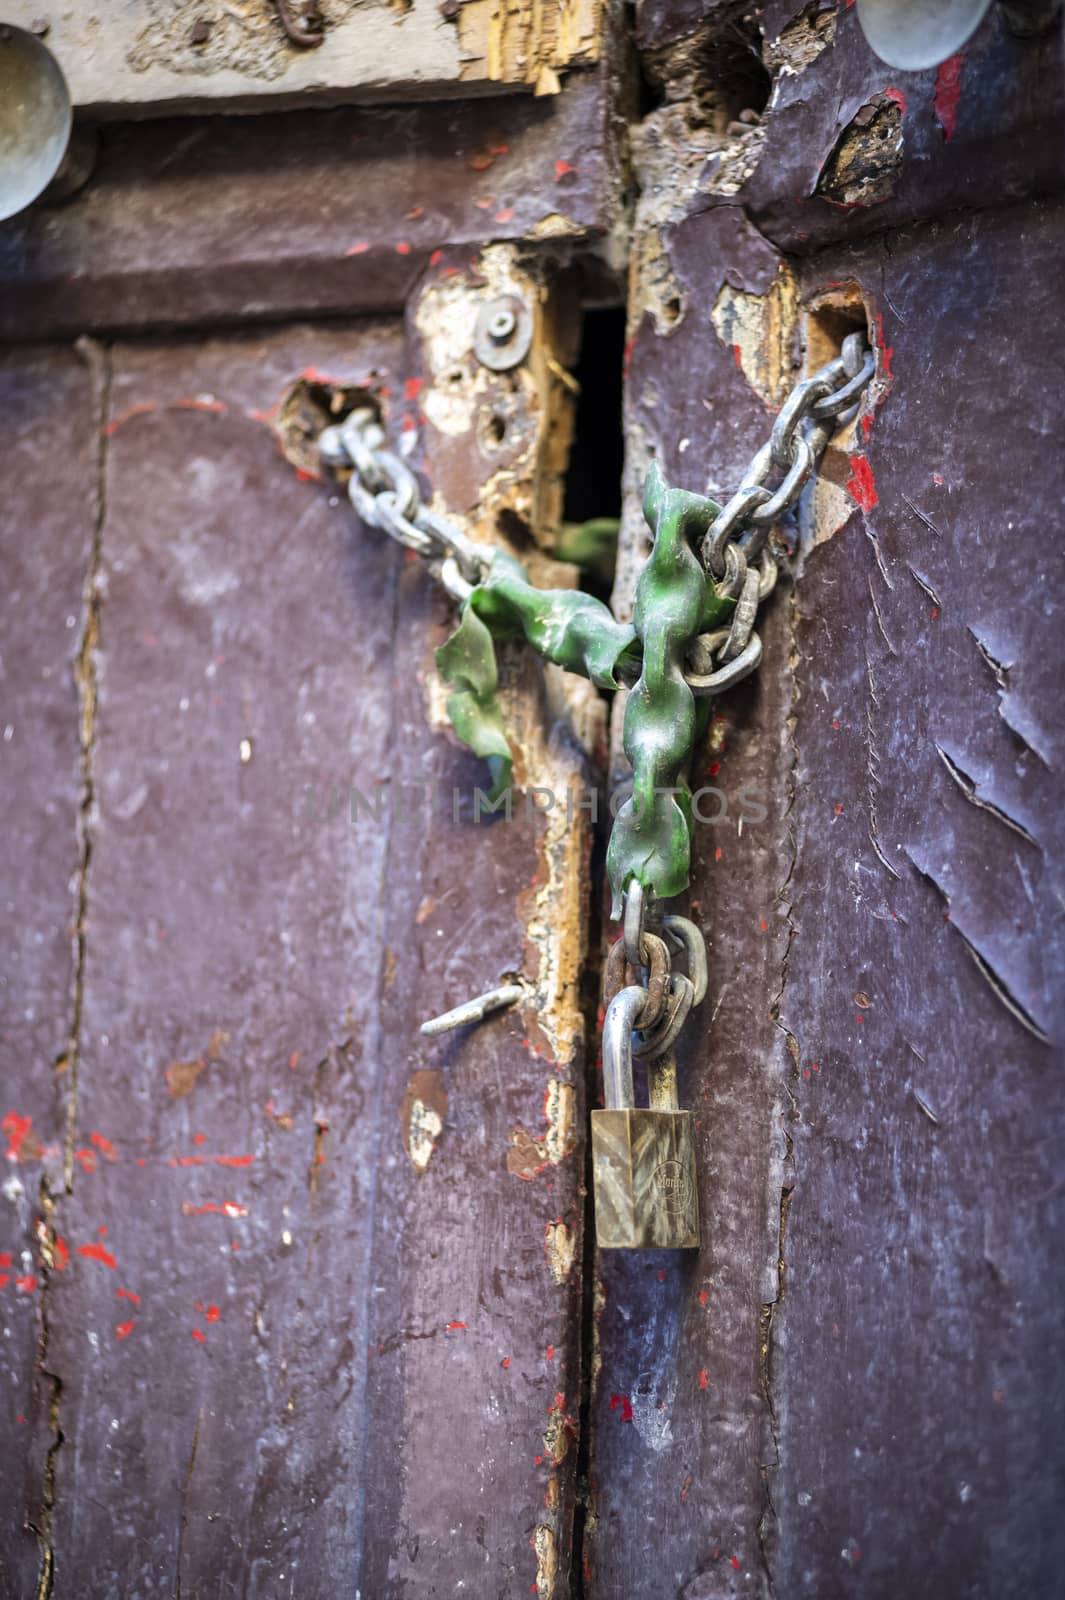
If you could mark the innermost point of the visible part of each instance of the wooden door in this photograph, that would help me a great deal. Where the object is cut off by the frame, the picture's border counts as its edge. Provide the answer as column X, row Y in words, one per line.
column 297, row 1302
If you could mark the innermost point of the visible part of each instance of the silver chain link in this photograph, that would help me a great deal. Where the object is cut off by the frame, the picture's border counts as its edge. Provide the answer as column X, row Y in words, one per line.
column 737, row 538
column 385, row 494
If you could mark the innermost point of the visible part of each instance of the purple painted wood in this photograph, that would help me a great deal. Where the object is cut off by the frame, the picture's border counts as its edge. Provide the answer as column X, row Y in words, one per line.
column 192, row 221
column 916, row 1361
column 51, row 404
column 279, row 1298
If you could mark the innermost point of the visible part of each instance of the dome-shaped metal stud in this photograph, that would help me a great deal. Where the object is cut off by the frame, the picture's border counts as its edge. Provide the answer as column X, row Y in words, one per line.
column 35, row 118
column 915, row 34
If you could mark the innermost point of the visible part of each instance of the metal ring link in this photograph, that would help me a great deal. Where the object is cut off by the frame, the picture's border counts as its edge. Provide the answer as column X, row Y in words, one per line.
column 703, row 652
column 852, row 390
column 722, row 678
column 471, row 558
column 789, row 490
column 687, row 937
column 619, row 975
column 453, row 581
column 737, row 511
column 743, row 618
column 800, row 402
column 655, row 1041
column 362, row 436
column 731, row 584
column 768, row 573
column 634, row 922
column 854, row 351
column 390, row 520
column 331, row 447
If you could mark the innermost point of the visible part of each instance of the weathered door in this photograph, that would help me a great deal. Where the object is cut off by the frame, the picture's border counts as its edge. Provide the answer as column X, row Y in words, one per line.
column 295, row 1301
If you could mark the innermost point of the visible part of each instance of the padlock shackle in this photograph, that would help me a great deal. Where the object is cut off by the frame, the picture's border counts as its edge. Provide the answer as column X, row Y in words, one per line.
column 618, row 1024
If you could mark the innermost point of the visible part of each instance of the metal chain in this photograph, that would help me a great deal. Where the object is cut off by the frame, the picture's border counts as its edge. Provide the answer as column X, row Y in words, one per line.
column 385, row 494
column 735, row 555
column 737, row 538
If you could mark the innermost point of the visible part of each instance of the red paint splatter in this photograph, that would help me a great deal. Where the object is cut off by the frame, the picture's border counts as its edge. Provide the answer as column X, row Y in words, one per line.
column 199, row 402
column 142, row 408
column 815, row 1066
column 413, row 388
column 862, row 484
column 453, row 1325
column 765, row 926
column 86, row 1159
column 5, row 1258
column 735, row 1562
column 703, row 1297
column 538, row 1461
column 17, row 1129
column 124, row 1329
column 60, row 1254
column 105, row 1147
column 937, row 480
column 718, row 853
column 228, row 1208
column 198, row 1333
column 661, row 1274
column 213, row 1313
column 948, row 94
column 550, row 1352
column 97, row 1252
column 218, row 1161
column 27, row 1283
column 415, row 212
column 867, row 426
column 403, row 248
column 128, row 1294
column 505, row 1362
column 838, row 812
column 737, row 356
column 713, row 769
column 506, row 215
column 436, row 258
column 563, row 170
column 704, row 1378
column 897, row 97
column 935, row 613
column 359, row 249
column 623, row 1401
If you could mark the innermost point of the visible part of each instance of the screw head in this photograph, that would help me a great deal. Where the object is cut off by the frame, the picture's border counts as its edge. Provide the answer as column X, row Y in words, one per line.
column 502, row 325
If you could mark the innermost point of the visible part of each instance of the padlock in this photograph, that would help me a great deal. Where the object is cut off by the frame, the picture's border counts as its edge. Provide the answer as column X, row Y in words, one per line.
column 643, row 1157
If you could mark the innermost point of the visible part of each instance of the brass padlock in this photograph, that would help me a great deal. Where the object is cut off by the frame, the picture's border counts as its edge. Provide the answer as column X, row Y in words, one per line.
column 643, row 1157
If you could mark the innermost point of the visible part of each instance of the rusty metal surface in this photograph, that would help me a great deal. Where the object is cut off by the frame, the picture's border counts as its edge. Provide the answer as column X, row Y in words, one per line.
column 278, row 1292
column 49, row 517
column 346, row 210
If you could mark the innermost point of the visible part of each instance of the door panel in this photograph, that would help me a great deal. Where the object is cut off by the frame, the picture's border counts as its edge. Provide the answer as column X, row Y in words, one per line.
column 304, row 1252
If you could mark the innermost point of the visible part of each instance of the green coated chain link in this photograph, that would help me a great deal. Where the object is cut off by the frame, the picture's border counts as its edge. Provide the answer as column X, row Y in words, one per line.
column 651, row 837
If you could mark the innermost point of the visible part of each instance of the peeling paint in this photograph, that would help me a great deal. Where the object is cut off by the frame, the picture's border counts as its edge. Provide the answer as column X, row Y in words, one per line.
column 422, row 1114
column 528, row 1157
column 528, row 41
column 560, row 1246
column 761, row 330
column 545, row 1545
